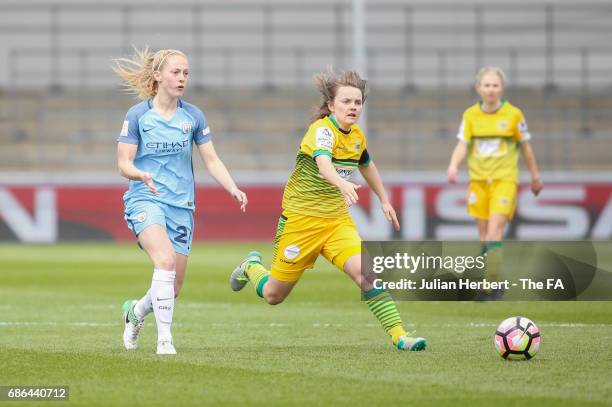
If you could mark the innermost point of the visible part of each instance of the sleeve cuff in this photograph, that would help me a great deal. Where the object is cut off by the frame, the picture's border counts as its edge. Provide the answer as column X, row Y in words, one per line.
column 127, row 140
column 525, row 137
column 321, row 152
column 202, row 140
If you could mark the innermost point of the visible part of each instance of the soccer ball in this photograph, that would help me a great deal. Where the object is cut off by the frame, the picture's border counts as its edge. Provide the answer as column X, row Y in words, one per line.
column 517, row 338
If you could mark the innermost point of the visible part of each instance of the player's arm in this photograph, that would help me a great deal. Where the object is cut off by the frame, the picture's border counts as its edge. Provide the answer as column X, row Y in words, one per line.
column 126, row 153
column 372, row 176
column 523, row 136
column 219, row 172
column 530, row 161
column 457, row 157
column 464, row 135
column 328, row 171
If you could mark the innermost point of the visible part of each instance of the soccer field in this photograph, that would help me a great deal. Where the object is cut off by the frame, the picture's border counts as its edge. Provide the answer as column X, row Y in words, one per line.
column 61, row 324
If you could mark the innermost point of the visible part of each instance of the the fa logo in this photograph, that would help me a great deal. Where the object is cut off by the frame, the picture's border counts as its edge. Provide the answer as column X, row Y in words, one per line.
column 186, row 127
column 472, row 198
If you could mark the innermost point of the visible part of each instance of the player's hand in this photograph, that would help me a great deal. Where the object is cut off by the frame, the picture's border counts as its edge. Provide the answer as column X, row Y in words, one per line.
column 390, row 215
column 241, row 198
column 536, row 186
column 148, row 180
column 349, row 192
column 452, row 175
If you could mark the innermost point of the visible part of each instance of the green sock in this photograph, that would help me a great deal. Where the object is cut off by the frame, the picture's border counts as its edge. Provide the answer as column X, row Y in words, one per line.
column 258, row 276
column 494, row 261
column 383, row 307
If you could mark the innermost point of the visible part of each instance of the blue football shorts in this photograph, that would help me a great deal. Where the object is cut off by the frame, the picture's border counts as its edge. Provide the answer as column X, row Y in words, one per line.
column 178, row 222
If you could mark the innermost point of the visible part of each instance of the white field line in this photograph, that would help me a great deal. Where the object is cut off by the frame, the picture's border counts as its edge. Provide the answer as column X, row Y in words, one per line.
column 314, row 325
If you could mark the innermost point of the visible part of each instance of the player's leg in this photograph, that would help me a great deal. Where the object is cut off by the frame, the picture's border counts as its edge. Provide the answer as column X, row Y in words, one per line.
column 179, row 227
column 266, row 283
column 156, row 243
column 502, row 206
column 343, row 249
column 478, row 207
column 496, row 225
column 181, row 268
column 275, row 291
column 482, row 225
column 296, row 247
column 146, row 220
column 495, row 233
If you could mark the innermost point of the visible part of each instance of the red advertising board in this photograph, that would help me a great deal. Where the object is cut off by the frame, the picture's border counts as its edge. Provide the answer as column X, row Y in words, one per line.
column 49, row 213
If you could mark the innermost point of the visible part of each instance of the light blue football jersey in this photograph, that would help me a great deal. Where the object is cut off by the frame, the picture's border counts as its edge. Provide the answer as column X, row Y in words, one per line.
column 164, row 150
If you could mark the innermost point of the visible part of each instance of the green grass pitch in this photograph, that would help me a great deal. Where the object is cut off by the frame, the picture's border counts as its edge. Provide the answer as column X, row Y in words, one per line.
column 60, row 324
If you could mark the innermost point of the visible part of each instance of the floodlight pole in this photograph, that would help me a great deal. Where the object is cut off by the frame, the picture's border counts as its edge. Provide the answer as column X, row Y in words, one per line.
column 359, row 51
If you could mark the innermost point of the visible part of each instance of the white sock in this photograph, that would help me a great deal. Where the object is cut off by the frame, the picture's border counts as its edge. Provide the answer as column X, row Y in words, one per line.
column 162, row 298
column 143, row 307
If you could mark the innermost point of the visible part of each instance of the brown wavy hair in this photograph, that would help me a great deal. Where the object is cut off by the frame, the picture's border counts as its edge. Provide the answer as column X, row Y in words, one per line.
column 329, row 81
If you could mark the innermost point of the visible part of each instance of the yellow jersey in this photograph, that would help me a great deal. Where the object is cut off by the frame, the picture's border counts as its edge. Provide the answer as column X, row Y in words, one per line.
column 307, row 192
column 493, row 141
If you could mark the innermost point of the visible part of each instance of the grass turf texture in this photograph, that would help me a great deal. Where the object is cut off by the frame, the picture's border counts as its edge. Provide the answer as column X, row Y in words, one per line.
column 60, row 324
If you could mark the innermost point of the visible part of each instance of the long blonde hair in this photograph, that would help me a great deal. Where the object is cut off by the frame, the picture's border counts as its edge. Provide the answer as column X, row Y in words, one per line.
column 137, row 72
column 329, row 81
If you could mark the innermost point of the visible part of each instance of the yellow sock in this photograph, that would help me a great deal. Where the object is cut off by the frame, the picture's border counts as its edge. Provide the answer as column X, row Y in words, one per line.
column 383, row 307
column 258, row 275
column 396, row 333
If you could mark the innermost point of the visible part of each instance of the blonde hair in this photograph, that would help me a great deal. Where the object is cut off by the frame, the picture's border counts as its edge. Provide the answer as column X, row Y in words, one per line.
column 137, row 72
column 327, row 84
column 490, row 69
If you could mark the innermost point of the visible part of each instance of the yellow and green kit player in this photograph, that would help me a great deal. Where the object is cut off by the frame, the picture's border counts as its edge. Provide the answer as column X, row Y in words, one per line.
column 315, row 218
column 492, row 133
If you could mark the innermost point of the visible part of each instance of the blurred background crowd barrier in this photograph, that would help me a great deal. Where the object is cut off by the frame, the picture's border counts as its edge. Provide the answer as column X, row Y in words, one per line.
column 252, row 63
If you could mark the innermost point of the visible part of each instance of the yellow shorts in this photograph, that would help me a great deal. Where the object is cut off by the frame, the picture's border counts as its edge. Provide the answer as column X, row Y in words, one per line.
column 301, row 238
column 485, row 198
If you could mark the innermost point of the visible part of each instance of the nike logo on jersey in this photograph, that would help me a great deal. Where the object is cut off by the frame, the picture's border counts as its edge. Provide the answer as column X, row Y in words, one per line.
column 145, row 130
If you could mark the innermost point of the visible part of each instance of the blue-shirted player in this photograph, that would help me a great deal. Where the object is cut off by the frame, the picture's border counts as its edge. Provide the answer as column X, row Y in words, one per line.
column 154, row 152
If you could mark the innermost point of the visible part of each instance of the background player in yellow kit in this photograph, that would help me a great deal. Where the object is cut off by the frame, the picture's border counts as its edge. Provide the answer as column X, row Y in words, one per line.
column 491, row 134
column 315, row 218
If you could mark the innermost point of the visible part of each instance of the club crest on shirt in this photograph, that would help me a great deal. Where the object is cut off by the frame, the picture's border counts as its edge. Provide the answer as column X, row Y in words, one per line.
column 502, row 125
column 186, row 127
column 358, row 147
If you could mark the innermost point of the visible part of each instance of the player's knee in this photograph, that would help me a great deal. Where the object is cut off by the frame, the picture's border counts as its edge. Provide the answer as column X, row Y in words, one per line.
column 166, row 261
column 274, row 299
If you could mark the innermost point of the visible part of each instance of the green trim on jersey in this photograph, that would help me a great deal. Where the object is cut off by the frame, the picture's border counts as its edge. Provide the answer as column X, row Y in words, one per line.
column 321, row 152
column 335, row 123
column 503, row 103
column 346, row 163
